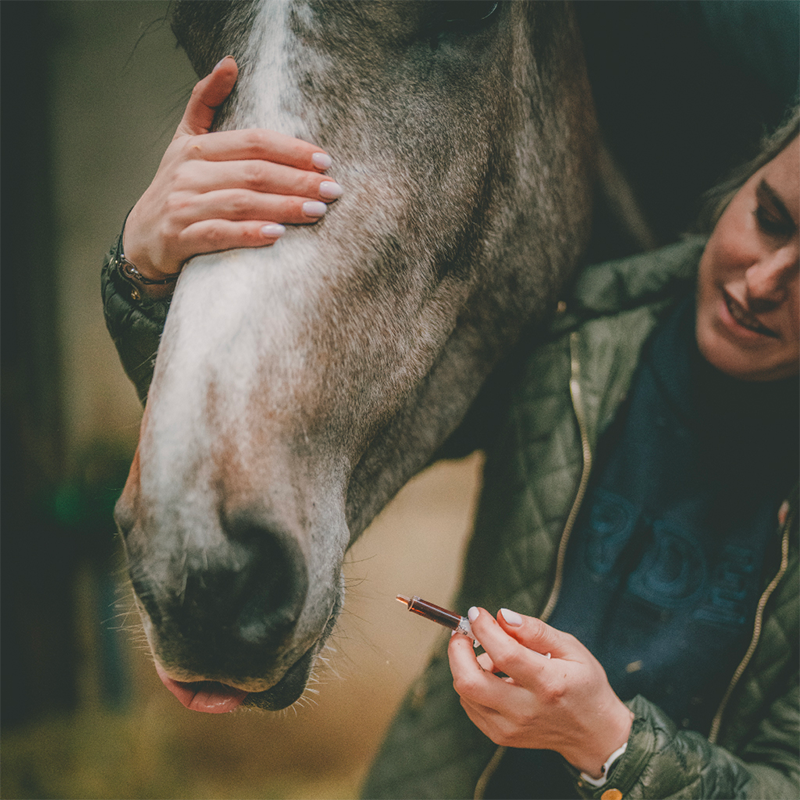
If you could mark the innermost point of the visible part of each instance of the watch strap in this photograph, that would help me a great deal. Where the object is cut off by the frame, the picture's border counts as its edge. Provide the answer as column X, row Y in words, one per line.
column 605, row 770
column 129, row 271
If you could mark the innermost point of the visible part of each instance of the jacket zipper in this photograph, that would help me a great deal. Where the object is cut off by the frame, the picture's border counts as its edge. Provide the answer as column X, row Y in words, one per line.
column 757, row 625
column 577, row 404
column 586, row 449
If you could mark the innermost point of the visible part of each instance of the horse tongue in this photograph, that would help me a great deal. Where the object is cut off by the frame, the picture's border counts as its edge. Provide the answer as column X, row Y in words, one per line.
column 210, row 697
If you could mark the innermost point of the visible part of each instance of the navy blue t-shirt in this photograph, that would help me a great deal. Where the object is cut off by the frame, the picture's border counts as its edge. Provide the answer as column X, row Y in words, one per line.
column 671, row 549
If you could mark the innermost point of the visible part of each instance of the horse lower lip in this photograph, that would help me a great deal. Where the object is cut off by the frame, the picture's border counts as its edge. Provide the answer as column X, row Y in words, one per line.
column 209, row 697
column 288, row 689
column 214, row 697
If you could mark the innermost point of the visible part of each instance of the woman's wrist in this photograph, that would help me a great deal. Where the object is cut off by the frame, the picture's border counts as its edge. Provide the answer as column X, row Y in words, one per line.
column 605, row 770
column 611, row 739
column 141, row 285
column 145, row 280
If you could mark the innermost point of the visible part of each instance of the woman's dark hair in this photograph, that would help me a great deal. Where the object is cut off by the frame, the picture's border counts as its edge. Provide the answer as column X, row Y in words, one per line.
column 716, row 199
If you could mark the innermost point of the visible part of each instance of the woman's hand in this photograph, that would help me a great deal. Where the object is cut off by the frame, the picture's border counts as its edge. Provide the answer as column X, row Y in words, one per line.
column 562, row 703
column 226, row 189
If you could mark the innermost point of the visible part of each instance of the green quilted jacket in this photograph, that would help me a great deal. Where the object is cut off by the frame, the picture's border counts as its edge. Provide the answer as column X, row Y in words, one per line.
column 537, row 469
column 134, row 322
column 536, row 472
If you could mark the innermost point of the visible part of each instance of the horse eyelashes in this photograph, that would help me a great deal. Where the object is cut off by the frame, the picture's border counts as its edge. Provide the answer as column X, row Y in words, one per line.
column 468, row 14
column 460, row 16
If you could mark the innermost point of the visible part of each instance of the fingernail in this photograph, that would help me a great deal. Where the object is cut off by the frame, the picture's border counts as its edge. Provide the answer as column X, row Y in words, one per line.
column 313, row 208
column 472, row 614
column 330, row 190
column 511, row 617
column 273, row 229
column 219, row 63
column 321, row 160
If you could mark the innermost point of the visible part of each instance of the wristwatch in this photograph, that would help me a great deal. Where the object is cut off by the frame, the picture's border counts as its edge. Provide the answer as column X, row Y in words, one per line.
column 605, row 770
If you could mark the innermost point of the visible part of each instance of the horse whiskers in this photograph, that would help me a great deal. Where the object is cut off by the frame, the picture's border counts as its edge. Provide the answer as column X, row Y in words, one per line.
column 304, row 701
column 130, row 628
column 123, row 615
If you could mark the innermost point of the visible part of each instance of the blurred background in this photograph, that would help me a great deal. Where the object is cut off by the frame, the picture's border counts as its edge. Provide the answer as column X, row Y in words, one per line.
column 91, row 94
column 95, row 90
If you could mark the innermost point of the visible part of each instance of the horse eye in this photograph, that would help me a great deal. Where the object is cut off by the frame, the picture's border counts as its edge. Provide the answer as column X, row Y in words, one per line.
column 467, row 14
column 460, row 16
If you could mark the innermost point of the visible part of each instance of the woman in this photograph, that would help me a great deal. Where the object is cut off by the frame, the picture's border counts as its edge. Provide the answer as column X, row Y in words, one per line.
column 661, row 559
column 670, row 581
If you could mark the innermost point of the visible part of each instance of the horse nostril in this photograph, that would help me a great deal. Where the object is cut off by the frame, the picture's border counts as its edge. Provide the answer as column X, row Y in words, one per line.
column 274, row 591
column 225, row 605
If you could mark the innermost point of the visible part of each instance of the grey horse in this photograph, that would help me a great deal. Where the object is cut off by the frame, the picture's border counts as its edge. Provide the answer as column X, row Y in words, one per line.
column 297, row 388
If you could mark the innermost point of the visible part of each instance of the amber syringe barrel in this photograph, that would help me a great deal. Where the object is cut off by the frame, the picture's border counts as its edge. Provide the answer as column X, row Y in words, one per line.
column 438, row 614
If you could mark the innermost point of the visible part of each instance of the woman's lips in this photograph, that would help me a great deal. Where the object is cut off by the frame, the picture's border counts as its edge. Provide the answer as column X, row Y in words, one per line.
column 744, row 318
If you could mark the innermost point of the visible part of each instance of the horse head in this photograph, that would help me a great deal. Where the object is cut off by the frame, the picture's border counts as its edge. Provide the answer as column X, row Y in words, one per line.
column 298, row 387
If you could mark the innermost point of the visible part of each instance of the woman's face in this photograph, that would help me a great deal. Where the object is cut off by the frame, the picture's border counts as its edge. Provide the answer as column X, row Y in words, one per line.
column 748, row 295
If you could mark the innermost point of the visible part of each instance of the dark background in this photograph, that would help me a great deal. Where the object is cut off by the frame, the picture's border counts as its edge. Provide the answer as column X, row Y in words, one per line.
column 683, row 92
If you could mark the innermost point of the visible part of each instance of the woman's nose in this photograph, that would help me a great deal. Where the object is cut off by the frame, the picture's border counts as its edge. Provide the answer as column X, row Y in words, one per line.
column 769, row 279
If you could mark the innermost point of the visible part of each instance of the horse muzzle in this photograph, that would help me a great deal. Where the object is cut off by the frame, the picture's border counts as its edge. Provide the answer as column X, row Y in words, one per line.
column 227, row 611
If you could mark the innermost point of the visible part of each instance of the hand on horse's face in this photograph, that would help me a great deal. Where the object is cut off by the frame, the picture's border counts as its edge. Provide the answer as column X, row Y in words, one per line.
column 222, row 190
column 555, row 695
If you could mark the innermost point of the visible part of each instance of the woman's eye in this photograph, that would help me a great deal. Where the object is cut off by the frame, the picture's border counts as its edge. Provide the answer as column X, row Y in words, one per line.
column 770, row 224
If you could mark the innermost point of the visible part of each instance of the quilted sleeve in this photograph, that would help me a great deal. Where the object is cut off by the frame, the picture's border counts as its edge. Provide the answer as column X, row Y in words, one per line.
column 664, row 762
column 134, row 322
